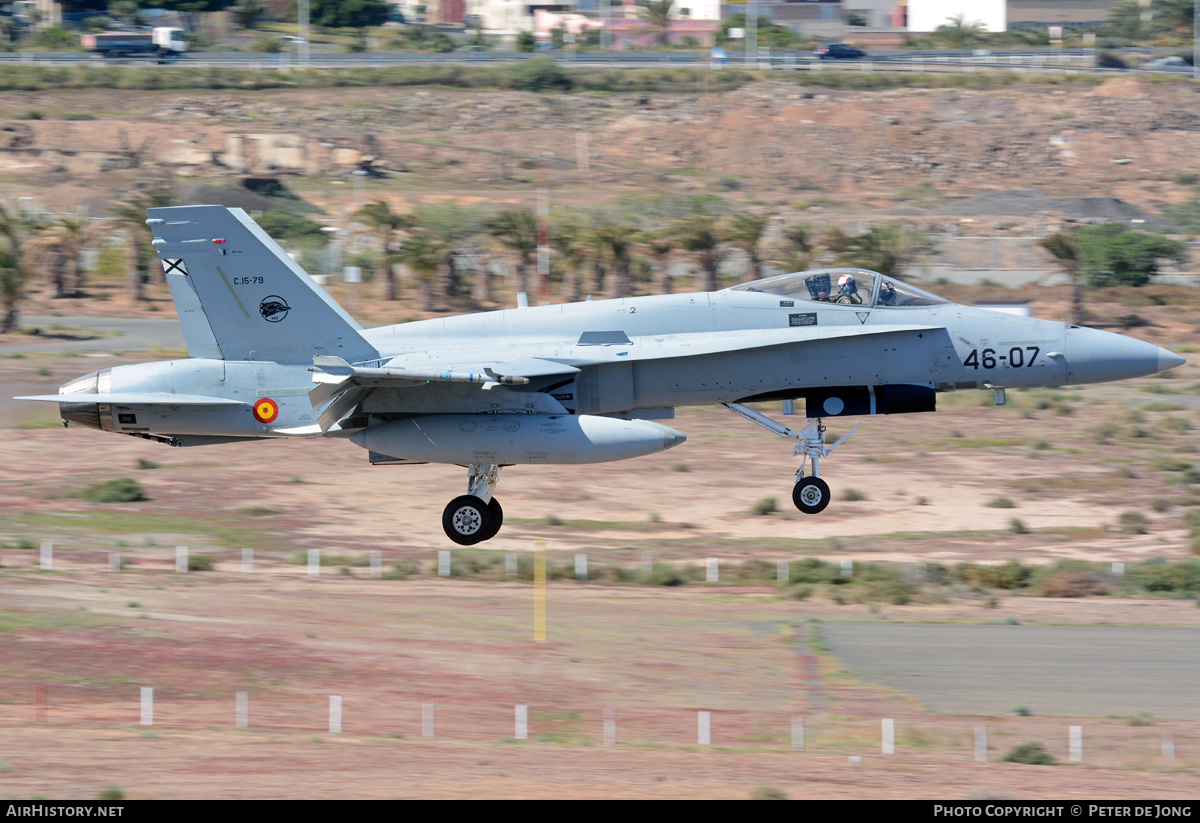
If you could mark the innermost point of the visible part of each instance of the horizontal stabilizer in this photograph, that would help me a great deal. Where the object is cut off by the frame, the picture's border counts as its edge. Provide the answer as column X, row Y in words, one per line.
column 136, row 399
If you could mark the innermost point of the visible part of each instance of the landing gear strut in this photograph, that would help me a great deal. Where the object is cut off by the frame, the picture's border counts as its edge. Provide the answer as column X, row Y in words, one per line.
column 811, row 493
column 475, row 516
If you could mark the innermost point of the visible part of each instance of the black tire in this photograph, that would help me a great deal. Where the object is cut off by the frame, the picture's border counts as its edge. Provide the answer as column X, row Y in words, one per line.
column 466, row 519
column 811, row 495
column 497, row 520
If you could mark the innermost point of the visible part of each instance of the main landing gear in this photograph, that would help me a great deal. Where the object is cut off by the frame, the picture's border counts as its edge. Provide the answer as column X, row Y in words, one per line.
column 811, row 493
column 475, row 516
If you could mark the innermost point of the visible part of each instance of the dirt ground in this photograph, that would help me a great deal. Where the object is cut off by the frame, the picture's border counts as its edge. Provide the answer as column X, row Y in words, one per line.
column 925, row 488
column 654, row 655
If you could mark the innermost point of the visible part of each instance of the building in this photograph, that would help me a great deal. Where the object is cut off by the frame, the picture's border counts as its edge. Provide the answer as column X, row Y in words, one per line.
column 1088, row 15
column 926, row 15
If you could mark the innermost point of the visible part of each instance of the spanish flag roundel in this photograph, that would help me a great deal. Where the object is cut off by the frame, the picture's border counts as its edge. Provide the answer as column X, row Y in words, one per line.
column 265, row 410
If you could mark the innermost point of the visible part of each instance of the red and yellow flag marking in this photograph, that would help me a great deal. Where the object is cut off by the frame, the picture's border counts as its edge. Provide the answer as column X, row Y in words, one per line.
column 265, row 410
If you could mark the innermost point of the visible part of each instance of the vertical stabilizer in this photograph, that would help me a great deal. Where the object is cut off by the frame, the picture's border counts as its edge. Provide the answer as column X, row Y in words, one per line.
column 256, row 302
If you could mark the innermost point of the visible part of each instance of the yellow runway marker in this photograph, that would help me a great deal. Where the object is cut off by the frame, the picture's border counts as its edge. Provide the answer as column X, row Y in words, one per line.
column 539, row 591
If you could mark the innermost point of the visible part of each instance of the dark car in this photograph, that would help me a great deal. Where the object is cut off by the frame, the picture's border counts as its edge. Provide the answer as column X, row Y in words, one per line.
column 838, row 51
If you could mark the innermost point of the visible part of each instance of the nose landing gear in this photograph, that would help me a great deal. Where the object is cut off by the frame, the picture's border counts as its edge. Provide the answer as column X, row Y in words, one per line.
column 811, row 493
column 475, row 516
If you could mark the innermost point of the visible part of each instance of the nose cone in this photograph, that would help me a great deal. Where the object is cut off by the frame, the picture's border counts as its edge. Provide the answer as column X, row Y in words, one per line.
column 1168, row 360
column 1095, row 356
column 671, row 437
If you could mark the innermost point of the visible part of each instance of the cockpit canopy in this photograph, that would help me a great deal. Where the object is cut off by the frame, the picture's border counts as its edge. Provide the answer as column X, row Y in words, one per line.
column 846, row 286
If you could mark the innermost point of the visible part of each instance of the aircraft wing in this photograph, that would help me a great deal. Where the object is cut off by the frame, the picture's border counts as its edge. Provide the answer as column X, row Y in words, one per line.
column 136, row 399
column 347, row 385
column 598, row 347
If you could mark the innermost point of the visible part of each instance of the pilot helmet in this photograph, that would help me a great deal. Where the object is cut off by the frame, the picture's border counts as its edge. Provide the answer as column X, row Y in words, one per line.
column 847, row 284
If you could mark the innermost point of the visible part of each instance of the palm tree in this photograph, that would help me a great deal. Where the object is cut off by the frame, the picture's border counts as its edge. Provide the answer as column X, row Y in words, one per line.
column 516, row 230
column 615, row 243
column 660, row 245
column 424, row 256
column 746, row 232
column 130, row 214
column 386, row 223
column 58, row 250
column 801, row 247
column 657, row 15
column 567, row 240
column 14, row 274
column 958, row 33
column 888, row 249
column 701, row 235
column 1064, row 248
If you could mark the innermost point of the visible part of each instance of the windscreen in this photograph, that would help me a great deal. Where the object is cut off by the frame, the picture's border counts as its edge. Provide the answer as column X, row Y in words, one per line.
column 848, row 286
column 895, row 293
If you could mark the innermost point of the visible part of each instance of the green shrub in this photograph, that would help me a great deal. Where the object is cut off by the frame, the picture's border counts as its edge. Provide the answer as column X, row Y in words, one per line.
column 117, row 490
column 267, row 45
column 768, row 793
column 1133, row 522
column 663, row 574
column 811, row 570
column 57, row 39
column 112, row 793
column 764, row 507
column 1031, row 754
column 539, row 74
column 1166, row 577
column 200, row 563
column 1011, row 575
column 896, row 591
column 1001, row 503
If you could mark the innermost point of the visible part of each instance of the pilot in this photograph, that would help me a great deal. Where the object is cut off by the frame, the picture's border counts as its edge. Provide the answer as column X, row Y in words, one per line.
column 887, row 294
column 848, row 290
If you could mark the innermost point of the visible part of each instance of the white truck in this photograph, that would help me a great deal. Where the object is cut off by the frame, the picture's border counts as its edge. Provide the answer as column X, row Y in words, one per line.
column 159, row 42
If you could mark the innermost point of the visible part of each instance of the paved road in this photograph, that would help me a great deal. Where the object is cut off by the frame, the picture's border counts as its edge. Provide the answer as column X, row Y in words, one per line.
column 1087, row 671
column 133, row 334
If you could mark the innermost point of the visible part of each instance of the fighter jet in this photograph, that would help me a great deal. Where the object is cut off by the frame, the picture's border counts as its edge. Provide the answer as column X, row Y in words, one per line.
column 272, row 355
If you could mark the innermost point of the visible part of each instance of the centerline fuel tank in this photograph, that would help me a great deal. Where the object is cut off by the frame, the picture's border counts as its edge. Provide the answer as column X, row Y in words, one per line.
column 507, row 439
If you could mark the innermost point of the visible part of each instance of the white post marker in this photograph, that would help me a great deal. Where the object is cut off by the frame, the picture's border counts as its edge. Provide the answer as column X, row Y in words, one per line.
column 1168, row 745
column 1118, row 569
column 510, row 565
column 335, row 714
column 248, row 561
column 704, row 728
column 376, row 564
column 797, row 733
column 782, row 571
column 181, row 560
column 443, row 563
column 610, row 727
column 314, row 562
column 647, row 563
column 522, row 730
column 114, row 561
column 426, row 720
column 46, row 560
column 889, row 736
column 981, row 743
column 847, row 569
column 243, row 710
column 1076, row 733
column 581, row 567
column 713, row 572
column 147, row 705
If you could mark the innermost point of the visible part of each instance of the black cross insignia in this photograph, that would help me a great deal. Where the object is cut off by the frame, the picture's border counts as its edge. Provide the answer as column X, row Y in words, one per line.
column 175, row 265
